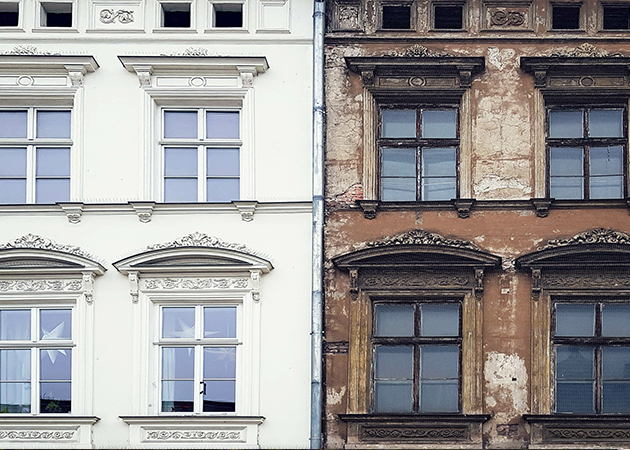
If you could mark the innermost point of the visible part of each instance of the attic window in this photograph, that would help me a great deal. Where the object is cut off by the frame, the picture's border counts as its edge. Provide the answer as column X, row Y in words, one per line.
column 616, row 17
column 9, row 14
column 565, row 17
column 448, row 17
column 54, row 14
column 396, row 17
column 176, row 15
column 228, row 15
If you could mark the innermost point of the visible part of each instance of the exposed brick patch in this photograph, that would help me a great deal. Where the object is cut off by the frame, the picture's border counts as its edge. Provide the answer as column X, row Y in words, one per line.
column 351, row 195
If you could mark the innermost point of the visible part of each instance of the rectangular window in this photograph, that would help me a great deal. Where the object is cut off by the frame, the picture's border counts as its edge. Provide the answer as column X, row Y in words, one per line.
column 565, row 16
column 175, row 15
column 448, row 17
column 198, row 358
column 56, row 14
column 9, row 14
column 591, row 341
column 201, row 155
column 419, row 149
column 35, row 360
column 587, row 152
column 35, row 149
column 396, row 16
column 616, row 16
column 227, row 15
column 416, row 351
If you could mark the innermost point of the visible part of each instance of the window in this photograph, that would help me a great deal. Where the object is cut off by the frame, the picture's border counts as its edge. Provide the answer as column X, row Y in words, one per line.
column 418, row 153
column 35, row 360
column 396, row 16
column 592, row 348
column 198, row 354
column 227, row 15
column 9, row 14
column 587, row 150
column 201, row 154
column 56, row 14
column 35, row 147
column 616, row 17
column 565, row 17
column 416, row 357
column 175, row 15
column 448, row 17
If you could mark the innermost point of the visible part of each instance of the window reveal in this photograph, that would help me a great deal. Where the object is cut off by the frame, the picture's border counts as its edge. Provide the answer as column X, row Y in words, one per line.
column 565, row 17
column 396, row 16
column 616, row 17
column 448, row 17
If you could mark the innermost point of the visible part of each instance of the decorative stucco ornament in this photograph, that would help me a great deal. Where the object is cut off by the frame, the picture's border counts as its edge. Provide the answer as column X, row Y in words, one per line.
column 585, row 50
column 29, row 50
column 421, row 237
column 33, row 241
column 415, row 51
column 197, row 239
column 596, row 236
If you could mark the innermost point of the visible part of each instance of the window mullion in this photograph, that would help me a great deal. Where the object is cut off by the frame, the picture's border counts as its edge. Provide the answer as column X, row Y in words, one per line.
column 417, row 371
column 587, row 178
column 35, row 380
column 419, row 173
column 199, row 384
column 598, row 379
column 31, row 173
column 201, row 172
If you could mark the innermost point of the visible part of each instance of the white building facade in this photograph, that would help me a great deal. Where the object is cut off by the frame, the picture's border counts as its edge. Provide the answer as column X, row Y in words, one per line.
column 155, row 223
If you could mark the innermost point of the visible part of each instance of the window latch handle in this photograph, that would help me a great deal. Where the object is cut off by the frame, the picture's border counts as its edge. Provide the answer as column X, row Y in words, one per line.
column 204, row 388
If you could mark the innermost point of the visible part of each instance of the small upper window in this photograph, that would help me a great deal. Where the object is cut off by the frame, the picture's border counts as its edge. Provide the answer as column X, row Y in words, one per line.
column 565, row 17
column 396, row 17
column 616, row 17
column 176, row 15
column 448, row 17
column 56, row 14
column 227, row 15
column 9, row 14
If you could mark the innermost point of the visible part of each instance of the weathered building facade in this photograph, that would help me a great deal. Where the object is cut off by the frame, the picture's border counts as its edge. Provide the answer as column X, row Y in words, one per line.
column 476, row 240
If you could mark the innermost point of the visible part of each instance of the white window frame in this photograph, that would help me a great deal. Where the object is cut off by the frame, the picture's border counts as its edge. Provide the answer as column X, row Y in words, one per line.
column 39, row 11
column 20, row 25
column 159, row 17
column 210, row 21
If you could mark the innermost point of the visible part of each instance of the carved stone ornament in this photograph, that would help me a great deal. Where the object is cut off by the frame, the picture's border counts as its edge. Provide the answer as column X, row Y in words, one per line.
column 413, row 433
column 197, row 239
column 585, row 50
column 167, row 435
column 33, row 241
column 596, row 236
column 37, row 435
column 415, row 280
column 588, row 434
column 40, row 285
column 421, row 237
column 415, row 51
column 348, row 17
column 192, row 51
column 30, row 50
column 194, row 283
column 144, row 78
column 507, row 18
column 76, row 79
column 586, row 280
column 110, row 16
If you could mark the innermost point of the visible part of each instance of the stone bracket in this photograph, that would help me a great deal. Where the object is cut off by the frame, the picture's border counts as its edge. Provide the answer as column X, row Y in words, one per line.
column 255, row 284
column 144, row 210
column 369, row 208
column 536, row 283
column 88, row 286
column 73, row 210
column 133, row 286
column 246, row 208
column 541, row 205
column 463, row 206
column 354, row 283
column 478, row 289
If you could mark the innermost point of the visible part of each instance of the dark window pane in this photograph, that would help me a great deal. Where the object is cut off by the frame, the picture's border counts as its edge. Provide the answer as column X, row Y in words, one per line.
column 55, row 364
column 15, row 398
column 394, row 362
column 616, row 320
column 398, row 189
column 393, row 396
column 219, row 362
column 53, row 124
column 55, row 324
column 396, row 17
column 176, row 15
column 9, row 14
column 616, row 397
column 228, row 15
column 566, row 124
column 219, row 322
column 13, row 124
column 178, row 363
column 574, row 363
column 15, row 324
column 180, row 162
column 222, row 124
column 575, row 320
column 616, row 363
column 438, row 396
column 616, row 17
column 566, row 17
column 394, row 320
column 223, row 189
column 220, row 396
column 439, row 123
column 178, row 323
column 398, row 162
column 448, row 17
column 399, row 123
column 178, row 396
column 574, row 397
column 439, row 361
column 180, row 124
column 223, row 162
column 55, row 397
column 439, row 320
column 605, row 123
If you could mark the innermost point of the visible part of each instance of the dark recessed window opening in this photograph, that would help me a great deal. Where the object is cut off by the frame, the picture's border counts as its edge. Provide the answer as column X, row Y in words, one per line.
column 56, row 15
column 566, row 17
column 228, row 15
column 8, row 14
column 396, row 17
column 448, row 17
column 616, row 17
column 176, row 15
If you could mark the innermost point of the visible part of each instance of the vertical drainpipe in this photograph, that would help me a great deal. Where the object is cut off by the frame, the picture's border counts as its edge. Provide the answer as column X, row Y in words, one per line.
column 318, row 224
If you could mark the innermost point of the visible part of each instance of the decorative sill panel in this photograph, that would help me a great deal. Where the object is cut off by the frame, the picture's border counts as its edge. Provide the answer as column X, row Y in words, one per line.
column 67, row 431
column 570, row 429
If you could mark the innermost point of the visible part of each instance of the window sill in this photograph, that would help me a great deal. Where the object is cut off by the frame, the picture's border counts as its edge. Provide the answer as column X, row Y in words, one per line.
column 568, row 429
column 19, row 430
column 374, row 430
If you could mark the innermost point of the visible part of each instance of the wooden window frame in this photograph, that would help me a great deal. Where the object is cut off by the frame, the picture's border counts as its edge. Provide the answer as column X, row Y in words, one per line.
column 412, row 15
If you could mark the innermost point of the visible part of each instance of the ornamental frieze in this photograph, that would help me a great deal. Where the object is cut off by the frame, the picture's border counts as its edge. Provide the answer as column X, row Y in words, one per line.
column 194, row 283
column 596, row 236
column 413, row 433
column 588, row 434
column 586, row 280
column 37, row 435
column 412, row 279
column 421, row 237
column 40, row 285
column 33, row 241
column 167, row 435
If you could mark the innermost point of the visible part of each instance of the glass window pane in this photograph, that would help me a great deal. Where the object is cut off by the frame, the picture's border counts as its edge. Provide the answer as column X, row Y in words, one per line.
column 605, row 123
column 13, row 191
column 180, row 162
column 394, row 320
column 15, row 398
column 180, row 124
column 606, row 161
column 15, row 365
column 439, row 162
column 222, row 125
column 219, row 362
column 616, row 395
column 55, row 364
column 393, row 396
column 565, row 124
column 435, row 189
column 575, row 320
column 606, row 187
column 439, row 396
column 12, row 162
column 15, row 324
column 178, row 363
column 574, row 397
column 177, row 396
column 53, row 162
column 220, row 396
column 566, row 161
column 55, row 397
column 223, row 162
column 53, row 124
column 399, row 123
column 223, row 189
column 55, row 324
column 439, row 124
column 616, row 363
column 574, row 363
column 398, row 189
column 439, row 361
column 394, row 362
column 398, row 162
column 178, row 323
column 616, row 320
column 180, row 189
column 13, row 124
column 567, row 187
column 49, row 190
column 219, row 322
column 439, row 320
